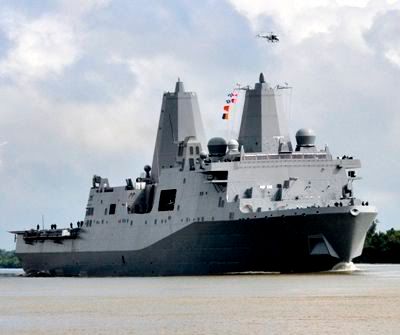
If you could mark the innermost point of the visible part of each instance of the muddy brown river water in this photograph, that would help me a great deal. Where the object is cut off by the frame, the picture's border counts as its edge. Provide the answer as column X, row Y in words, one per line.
column 366, row 301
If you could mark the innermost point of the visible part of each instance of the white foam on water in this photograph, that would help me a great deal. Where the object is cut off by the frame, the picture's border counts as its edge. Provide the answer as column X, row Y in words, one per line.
column 345, row 267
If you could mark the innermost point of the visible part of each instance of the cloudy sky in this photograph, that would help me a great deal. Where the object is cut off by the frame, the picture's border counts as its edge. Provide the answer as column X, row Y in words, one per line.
column 81, row 85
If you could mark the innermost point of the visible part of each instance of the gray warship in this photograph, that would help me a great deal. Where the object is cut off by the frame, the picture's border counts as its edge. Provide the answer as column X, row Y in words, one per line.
column 257, row 203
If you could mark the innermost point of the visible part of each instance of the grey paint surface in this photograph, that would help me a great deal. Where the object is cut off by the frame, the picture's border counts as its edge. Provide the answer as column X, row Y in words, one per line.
column 273, row 244
column 264, row 127
column 265, row 208
column 179, row 118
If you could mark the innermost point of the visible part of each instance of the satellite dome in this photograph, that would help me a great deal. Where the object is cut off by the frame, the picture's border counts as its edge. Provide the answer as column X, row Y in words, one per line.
column 147, row 169
column 217, row 146
column 305, row 137
column 233, row 145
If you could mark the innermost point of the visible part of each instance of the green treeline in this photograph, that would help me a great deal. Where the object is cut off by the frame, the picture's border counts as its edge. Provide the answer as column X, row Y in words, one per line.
column 9, row 260
column 381, row 247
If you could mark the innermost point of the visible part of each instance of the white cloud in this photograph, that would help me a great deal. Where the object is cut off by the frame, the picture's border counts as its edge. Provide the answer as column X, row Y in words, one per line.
column 159, row 70
column 103, row 70
column 300, row 20
column 2, row 144
column 1, row 155
column 40, row 47
column 393, row 55
column 297, row 17
column 126, row 123
column 383, row 36
column 78, row 8
column 353, row 3
column 391, row 138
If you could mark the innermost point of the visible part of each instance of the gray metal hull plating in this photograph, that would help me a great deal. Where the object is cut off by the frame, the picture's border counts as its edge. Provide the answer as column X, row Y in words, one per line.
column 268, row 244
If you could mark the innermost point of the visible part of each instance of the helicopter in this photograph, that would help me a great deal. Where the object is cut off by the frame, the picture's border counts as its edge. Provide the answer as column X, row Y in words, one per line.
column 270, row 37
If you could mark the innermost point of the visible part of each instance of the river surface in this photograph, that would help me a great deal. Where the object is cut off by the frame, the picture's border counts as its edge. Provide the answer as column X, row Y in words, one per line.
column 367, row 301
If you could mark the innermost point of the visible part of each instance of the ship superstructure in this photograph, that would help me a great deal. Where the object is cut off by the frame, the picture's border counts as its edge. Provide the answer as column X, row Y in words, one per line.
column 258, row 203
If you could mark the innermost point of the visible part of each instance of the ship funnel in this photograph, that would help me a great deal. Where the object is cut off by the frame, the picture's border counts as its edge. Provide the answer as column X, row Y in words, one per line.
column 179, row 118
column 264, row 127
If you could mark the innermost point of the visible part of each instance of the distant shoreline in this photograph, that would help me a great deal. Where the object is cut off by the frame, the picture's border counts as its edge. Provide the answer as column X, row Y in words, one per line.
column 9, row 260
column 381, row 247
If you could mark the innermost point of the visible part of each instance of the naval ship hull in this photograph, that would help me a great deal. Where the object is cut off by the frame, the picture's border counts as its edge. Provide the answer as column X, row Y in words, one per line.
column 274, row 244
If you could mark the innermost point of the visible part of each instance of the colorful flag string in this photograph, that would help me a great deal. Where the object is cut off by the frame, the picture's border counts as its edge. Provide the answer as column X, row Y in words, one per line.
column 232, row 99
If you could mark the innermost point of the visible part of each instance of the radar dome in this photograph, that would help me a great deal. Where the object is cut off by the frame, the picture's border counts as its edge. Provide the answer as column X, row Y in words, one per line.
column 217, row 146
column 147, row 169
column 305, row 137
column 203, row 154
column 233, row 145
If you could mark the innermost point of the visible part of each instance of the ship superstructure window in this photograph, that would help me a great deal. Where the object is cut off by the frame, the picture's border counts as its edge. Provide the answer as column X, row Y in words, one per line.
column 180, row 149
column 191, row 150
column 191, row 164
column 197, row 151
column 89, row 211
column 167, row 200
column 351, row 173
column 112, row 209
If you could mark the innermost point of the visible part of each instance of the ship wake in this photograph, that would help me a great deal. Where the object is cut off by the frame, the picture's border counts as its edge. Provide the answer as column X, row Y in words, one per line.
column 345, row 267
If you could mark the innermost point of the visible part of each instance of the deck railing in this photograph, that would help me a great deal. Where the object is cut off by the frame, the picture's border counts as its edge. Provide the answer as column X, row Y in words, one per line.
column 262, row 156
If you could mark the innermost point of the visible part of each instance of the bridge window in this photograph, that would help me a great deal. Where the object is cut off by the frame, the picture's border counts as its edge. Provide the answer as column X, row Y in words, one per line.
column 191, row 164
column 191, row 150
column 180, row 149
column 112, row 209
column 167, row 200
column 351, row 173
column 89, row 211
